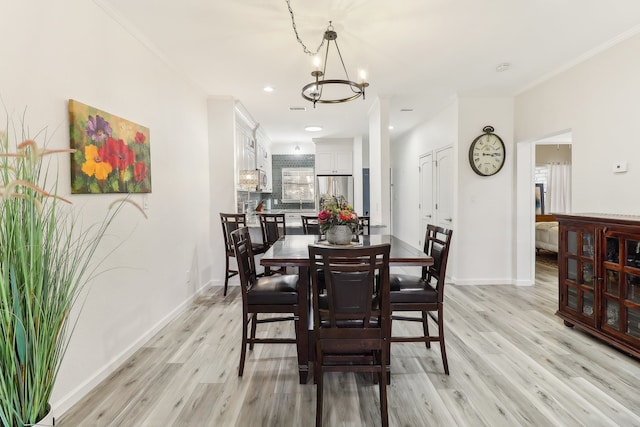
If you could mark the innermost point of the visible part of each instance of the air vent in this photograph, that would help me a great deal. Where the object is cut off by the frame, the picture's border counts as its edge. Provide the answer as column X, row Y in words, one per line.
column 297, row 108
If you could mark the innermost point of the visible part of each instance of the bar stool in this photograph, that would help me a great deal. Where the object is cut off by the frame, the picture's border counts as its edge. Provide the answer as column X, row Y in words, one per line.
column 230, row 223
column 273, row 226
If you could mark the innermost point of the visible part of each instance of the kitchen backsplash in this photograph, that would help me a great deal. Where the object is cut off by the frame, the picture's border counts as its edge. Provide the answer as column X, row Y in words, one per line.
column 279, row 161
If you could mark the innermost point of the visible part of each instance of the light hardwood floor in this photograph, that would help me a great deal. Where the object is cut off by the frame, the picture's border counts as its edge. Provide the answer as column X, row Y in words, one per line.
column 512, row 362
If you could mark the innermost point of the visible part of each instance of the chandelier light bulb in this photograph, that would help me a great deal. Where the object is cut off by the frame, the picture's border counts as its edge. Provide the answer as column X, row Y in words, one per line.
column 363, row 76
column 316, row 62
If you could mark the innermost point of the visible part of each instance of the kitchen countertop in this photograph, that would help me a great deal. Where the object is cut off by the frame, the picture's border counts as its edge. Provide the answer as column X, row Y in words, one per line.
column 294, row 221
column 292, row 216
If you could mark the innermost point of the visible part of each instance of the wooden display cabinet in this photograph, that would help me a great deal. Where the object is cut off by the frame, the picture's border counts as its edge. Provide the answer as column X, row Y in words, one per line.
column 599, row 277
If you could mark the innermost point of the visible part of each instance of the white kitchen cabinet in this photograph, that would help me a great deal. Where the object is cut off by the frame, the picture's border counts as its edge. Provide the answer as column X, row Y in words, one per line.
column 334, row 159
column 252, row 148
column 245, row 148
column 263, row 161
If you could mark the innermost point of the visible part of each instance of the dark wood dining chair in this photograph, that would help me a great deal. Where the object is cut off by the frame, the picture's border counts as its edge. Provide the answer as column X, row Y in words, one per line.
column 262, row 295
column 230, row 223
column 273, row 226
column 310, row 224
column 424, row 293
column 351, row 321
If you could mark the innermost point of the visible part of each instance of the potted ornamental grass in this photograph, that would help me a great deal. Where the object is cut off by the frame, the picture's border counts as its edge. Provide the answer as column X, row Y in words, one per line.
column 45, row 261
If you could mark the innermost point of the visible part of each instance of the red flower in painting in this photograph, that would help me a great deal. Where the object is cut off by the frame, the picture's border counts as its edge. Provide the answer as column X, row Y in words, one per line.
column 140, row 138
column 140, row 171
column 118, row 154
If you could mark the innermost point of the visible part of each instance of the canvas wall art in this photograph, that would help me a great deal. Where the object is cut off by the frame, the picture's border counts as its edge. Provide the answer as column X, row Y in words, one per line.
column 112, row 154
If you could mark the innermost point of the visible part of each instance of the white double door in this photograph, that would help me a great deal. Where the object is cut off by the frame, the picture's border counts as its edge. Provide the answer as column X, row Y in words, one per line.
column 436, row 189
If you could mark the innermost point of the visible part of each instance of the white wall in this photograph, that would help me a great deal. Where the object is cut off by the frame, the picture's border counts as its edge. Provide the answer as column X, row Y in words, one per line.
column 483, row 221
column 598, row 101
column 380, row 164
column 438, row 132
column 54, row 51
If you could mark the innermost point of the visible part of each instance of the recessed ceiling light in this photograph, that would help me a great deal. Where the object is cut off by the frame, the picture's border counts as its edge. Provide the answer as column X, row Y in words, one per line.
column 390, row 127
column 268, row 89
column 503, row 67
column 313, row 128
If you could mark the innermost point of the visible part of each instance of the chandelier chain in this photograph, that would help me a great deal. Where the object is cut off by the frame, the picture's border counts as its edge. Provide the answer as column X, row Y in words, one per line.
column 295, row 30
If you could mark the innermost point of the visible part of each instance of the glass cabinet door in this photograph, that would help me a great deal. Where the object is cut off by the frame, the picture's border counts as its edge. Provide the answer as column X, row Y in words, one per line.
column 612, row 285
column 621, row 293
column 580, row 273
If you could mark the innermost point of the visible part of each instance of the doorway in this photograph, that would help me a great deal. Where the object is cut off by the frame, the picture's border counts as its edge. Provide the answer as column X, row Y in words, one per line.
column 436, row 189
column 526, row 203
column 426, row 193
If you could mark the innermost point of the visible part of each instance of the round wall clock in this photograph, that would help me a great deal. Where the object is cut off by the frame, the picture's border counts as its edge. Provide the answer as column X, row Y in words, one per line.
column 487, row 153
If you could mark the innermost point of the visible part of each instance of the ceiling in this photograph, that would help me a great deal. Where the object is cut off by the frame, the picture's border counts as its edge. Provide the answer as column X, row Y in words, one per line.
column 419, row 54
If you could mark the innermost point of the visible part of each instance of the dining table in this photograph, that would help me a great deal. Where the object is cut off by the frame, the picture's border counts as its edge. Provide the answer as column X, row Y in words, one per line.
column 293, row 251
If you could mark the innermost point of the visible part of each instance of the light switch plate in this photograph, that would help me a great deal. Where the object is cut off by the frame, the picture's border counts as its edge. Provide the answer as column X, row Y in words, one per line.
column 620, row 167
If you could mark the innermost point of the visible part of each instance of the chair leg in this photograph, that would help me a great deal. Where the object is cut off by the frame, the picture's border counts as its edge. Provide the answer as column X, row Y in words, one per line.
column 226, row 275
column 384, row 412
column 425, row 328
column 243, row 350
column 254, row 321
column 441, row 336
column 319, row 391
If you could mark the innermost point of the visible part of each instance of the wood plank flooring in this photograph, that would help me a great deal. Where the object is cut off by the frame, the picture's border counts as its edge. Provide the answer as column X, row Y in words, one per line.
column 512, row 363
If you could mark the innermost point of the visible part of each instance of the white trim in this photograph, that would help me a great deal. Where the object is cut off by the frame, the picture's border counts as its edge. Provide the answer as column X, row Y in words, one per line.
column 483, row 282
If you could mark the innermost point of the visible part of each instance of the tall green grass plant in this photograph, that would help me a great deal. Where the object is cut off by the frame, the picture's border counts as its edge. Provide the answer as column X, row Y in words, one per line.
column 45, row 261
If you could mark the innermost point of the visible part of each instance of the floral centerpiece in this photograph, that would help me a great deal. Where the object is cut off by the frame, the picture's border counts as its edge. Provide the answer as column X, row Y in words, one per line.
column 45, row 261
column 337, row 219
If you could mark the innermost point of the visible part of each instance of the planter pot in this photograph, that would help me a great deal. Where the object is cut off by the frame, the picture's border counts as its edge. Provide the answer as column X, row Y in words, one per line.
column 47, row 421
column 339, row 234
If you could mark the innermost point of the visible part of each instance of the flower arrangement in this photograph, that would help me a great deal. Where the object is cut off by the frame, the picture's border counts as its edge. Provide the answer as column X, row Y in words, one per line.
column 45, row 261
column 335, row 211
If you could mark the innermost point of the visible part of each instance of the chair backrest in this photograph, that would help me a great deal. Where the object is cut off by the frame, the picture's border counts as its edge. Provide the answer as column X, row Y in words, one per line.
column 241, row 242
column 437, row 242
column 363, row 225
column 273, row 226
column 352, row 299
column 310, row 224
column 230, row 223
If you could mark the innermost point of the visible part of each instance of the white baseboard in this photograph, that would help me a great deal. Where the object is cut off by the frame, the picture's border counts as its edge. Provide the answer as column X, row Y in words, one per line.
column 476, row 282
column 66, row 402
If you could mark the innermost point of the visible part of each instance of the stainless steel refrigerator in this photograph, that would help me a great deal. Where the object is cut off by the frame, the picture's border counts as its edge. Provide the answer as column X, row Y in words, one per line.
column 334, row 185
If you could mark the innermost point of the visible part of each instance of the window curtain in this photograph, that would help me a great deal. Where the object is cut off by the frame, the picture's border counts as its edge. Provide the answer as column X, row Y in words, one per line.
column 559, row 188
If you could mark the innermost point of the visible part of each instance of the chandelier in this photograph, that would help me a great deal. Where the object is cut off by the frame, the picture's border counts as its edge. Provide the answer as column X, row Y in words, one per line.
column 338, row 90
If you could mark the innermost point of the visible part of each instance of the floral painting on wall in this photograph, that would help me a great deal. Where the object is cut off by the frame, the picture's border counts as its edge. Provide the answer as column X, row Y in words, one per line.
column 112, row 154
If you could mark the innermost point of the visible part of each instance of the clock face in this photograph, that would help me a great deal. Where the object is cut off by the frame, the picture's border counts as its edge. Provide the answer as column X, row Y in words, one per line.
column 486, row 154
